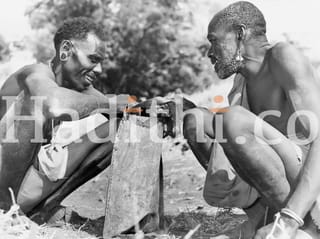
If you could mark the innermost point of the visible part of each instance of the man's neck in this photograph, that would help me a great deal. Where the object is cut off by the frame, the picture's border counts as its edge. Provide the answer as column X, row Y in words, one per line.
column 253, row 58
column 55, row 65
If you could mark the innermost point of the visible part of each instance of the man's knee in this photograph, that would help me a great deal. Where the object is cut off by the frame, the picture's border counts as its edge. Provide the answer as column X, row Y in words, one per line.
column 235, row 121
column 193, row 124
column 189, row 125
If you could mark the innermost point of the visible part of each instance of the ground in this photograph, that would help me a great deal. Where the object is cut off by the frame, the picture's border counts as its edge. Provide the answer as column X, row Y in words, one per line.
column 184, row 205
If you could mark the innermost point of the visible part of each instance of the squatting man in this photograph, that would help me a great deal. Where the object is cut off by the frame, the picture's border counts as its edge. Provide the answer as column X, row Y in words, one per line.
column 44, row 158
column 270, row 139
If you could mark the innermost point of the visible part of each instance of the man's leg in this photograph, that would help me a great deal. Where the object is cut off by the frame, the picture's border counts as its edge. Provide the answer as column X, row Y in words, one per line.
column 85, row 161
column 199, row 124
column 94, row 164
column 198, row 130
column 271, row 169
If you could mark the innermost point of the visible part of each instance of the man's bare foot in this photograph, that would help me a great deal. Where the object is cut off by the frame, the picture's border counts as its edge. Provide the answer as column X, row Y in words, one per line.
column 257, row 215
column 310, row 228
column 58, row 216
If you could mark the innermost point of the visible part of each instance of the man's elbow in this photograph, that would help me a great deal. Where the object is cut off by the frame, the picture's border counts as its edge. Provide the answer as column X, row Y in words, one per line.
column 51, row 108
column 54, row 109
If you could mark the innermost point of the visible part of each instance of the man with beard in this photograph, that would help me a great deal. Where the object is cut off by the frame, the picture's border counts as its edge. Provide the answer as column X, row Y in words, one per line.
column 270, row 138
column 38, row 97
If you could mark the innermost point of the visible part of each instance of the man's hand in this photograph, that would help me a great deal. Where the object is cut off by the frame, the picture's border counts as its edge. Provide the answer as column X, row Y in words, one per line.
column 158, row 106
column 122, row 102
column 282, row 228
column 148, row 103
column 117, row 103
column 172, row 119
column 168, row 110
column 162, row 108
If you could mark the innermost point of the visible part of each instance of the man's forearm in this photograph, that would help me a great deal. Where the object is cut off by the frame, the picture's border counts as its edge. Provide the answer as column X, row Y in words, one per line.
column 69, row 105
column 70, row 108
column 118, row 102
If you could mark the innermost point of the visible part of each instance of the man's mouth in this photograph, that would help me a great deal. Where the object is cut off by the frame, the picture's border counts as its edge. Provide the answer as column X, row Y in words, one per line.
column 213, row 60
column 90, row 78
column 217, row 66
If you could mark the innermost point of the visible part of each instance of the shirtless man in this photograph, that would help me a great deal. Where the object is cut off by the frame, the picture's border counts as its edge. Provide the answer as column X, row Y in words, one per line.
column 274, row 144
column 33, row 100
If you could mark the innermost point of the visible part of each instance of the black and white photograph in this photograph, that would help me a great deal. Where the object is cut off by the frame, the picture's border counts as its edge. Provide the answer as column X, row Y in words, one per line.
column 160, row 119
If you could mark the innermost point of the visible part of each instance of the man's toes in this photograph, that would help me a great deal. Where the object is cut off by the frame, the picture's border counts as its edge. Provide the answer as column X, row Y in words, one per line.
column 60, row 216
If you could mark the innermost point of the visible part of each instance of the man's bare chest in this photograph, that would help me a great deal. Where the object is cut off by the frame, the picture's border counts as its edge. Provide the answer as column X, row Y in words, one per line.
column 268, row 100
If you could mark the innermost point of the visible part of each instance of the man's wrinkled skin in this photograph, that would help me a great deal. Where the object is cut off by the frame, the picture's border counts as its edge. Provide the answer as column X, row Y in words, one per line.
column 278, row 78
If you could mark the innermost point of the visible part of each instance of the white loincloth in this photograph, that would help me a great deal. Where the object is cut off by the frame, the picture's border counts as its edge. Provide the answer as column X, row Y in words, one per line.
column 53, row 158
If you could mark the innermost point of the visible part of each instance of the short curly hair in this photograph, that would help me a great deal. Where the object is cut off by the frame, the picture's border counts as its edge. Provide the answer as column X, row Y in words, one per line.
column 238, row 13
column 78, row 29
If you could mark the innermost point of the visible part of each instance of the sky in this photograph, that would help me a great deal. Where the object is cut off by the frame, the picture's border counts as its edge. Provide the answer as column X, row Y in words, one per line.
column 13, row 24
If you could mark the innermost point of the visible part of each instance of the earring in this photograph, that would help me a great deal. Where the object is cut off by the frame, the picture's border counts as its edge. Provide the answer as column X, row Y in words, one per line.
column 63, row 56
column 239, row 57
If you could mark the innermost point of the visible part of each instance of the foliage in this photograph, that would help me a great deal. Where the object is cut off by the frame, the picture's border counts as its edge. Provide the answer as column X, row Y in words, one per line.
column 4, row 49
column 150, row 52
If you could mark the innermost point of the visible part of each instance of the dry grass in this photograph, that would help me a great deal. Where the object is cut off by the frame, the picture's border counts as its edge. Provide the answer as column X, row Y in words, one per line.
column 210, row 226
column 186, row 225
column 16, row 226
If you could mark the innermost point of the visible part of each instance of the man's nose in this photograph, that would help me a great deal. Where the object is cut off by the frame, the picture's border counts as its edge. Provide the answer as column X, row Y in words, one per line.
column 210, row 52
column 98, row 68
column 211, row 56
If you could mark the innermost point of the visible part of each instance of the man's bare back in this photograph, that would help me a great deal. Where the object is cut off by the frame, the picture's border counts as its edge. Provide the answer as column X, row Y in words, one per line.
column 265, row 93
column 262, row 143
column 21, row 146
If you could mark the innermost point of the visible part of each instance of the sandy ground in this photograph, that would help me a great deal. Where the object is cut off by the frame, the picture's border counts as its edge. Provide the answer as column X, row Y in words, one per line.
column 184, row 205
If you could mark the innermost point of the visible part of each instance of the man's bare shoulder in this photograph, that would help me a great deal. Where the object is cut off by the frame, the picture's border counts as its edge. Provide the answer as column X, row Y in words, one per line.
column 40, row 69
column 17, row 80
column 288, row 62
column 286, row 53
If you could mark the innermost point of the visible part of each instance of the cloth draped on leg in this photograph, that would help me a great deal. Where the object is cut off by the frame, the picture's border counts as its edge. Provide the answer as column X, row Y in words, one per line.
column 52, row 159
column 223, row 186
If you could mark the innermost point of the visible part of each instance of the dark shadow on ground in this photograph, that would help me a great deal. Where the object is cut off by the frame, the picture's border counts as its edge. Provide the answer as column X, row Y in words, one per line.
column 224, row 222
column 93, row 227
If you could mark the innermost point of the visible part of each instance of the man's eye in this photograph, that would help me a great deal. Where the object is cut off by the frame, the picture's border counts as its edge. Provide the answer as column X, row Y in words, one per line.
column 95, row 60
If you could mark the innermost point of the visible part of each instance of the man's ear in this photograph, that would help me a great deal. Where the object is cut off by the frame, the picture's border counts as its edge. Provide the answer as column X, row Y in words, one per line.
column 241, row 32
column 65, row 50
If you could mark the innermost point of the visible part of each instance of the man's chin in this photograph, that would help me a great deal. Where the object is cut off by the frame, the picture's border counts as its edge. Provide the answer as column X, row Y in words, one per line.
column 224, row 75
column 227, row 71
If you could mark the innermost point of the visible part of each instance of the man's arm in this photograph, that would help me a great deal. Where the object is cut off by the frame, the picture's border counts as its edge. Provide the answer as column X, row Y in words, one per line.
column 302, row 87
column 123, row 100
column 58, row 100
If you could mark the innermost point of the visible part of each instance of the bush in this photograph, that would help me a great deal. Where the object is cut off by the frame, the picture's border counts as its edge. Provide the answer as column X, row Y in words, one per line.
column 149, row 54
